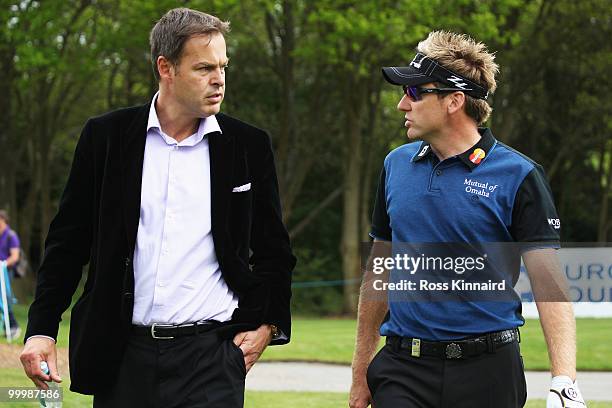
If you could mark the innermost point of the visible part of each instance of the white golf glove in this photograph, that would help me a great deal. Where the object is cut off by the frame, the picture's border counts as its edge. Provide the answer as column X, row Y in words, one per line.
column 564, row 393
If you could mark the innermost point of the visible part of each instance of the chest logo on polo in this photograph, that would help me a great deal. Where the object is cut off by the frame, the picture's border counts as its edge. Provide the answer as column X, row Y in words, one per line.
column 477, row 156
column 478, row 187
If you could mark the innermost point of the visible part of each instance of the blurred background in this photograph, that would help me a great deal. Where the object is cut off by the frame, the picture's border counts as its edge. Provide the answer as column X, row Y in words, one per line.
column 309, row 73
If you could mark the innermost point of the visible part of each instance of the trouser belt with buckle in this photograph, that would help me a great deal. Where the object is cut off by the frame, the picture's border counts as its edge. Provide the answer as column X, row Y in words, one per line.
column 170, row 331
column 456, row 349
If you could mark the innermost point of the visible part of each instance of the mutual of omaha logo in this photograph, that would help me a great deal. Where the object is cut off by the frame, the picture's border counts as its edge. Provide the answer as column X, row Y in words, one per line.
column 483, row 189
column 477, row 156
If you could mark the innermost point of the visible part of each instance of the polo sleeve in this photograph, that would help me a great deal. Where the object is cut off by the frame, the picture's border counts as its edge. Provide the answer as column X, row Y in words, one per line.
column 534, row 216
column 381, row 224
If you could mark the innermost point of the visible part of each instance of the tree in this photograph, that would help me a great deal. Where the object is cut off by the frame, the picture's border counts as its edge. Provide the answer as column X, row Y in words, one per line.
column 557, row 96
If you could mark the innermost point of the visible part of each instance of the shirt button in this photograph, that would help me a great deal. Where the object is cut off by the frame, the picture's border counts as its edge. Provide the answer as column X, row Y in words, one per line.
column 160, row 284
column 438, row 172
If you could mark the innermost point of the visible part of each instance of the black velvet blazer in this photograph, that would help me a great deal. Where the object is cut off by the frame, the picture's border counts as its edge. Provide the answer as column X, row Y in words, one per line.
column 97, row 222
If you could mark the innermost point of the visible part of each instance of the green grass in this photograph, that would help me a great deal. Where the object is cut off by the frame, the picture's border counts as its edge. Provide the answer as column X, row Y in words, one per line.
column 14, row 377
column 333, row 340
column 323, row 340
column 21, row 314
column 259, row 399
column 10, row 377
column 330, row 340
column 593, row 344
column 253, row 399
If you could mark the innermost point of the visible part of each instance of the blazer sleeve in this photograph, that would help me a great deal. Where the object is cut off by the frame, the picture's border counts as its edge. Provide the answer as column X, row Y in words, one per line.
column 68, row 244
column 271, row 254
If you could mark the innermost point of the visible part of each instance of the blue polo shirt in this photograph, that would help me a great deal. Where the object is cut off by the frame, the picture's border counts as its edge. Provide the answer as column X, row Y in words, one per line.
column 488, row 194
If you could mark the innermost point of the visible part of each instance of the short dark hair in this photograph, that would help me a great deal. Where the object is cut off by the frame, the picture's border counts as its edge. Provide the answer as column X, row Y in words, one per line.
column 4, row 215
column 169, row 35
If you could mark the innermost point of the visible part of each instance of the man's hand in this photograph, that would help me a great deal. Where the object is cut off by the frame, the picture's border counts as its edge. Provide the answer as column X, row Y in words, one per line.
column 39, row 349
column 253, row 343
column 360, row 396
column 564, row 393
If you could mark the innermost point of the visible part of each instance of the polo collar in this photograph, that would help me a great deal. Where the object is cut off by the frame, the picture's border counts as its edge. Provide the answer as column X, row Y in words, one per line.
column 477, row 153
column 471, row 157
column 424, row 151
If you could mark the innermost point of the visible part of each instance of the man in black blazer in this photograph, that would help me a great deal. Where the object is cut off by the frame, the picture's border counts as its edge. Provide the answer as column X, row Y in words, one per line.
column 175, row 208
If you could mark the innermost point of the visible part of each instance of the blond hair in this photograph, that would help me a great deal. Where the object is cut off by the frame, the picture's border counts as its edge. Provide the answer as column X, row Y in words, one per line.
column 466, row 57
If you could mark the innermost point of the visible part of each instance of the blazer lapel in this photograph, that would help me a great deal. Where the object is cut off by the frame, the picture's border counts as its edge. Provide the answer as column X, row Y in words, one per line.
column 132, row 158
column 221, row 165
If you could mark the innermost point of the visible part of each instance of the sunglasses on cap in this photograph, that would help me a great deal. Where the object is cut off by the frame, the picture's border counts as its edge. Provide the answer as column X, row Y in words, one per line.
column 416, row 93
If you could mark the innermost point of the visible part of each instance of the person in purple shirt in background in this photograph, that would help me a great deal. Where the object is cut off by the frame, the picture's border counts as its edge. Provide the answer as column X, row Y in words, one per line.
column 9, row 252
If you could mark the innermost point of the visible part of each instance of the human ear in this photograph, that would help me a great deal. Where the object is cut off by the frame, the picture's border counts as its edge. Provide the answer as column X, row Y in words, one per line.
column 456, row 102
column 164, row 67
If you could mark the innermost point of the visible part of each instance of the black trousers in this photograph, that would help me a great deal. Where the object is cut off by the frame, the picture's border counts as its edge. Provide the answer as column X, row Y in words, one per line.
column 491, row 380
column 203, row 371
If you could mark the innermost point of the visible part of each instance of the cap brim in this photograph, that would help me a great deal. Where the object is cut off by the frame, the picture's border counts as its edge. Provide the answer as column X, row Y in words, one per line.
column 405, row 76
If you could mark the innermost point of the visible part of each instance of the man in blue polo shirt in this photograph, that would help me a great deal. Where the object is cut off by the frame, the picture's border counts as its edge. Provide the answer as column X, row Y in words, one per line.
column 459, row 185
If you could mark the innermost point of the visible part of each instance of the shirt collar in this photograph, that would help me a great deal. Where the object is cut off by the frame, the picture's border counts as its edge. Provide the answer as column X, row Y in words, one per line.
column 207, row 125
column 153, row 122
column 472, row 157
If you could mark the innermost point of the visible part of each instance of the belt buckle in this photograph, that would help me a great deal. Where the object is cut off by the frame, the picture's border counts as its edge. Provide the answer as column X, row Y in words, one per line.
column 416, row 348
column 453, row 351
column 154, row 325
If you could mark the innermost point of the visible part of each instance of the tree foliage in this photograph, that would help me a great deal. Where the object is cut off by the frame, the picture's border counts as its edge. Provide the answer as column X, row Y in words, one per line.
column 309, row 73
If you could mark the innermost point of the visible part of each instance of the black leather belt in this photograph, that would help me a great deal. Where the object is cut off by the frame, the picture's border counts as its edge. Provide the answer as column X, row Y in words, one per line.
column 170, row 331
column 456, row 349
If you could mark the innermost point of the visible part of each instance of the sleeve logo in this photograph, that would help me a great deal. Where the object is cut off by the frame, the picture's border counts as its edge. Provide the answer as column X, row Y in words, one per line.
column 554, row 222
